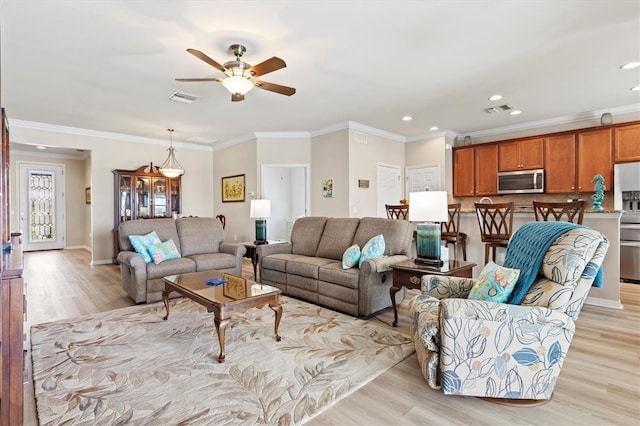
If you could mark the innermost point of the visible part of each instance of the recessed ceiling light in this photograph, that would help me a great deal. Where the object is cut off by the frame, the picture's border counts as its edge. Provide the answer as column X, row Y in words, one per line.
column 515, row 112
column 433, row 128
column 635, row 89
column 41, row 147
column 630, row 66
column 406, row 118
column 495, row 97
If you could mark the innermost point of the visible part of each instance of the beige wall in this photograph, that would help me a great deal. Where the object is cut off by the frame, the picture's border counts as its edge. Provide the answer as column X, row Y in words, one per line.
column 77, row 212
column 364, row 159
column 236, row 160
column 281, row 150
column 432, row 151
column 108, row 154
column 330, row 159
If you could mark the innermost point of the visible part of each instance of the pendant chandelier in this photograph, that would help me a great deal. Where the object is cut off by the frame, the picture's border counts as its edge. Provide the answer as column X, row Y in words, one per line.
column 171, row 168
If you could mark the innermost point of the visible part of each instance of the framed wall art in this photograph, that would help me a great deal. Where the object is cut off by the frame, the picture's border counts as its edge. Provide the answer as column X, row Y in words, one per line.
column 232, row 188
column 327, row 188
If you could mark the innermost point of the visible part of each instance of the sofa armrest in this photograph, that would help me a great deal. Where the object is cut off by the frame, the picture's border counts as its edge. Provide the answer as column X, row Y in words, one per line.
column 382, row 264
column 132, row 259
column 238, row 250
column 446, row 287
column 267, row 249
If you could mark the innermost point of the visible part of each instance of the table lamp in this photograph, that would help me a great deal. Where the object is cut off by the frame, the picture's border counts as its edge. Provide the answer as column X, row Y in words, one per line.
column 430, row 207
column 260, row 210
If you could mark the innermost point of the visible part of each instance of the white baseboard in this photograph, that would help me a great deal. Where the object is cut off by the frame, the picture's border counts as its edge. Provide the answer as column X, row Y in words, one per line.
column 101, row 262
column 605, row 303
column 87, row 248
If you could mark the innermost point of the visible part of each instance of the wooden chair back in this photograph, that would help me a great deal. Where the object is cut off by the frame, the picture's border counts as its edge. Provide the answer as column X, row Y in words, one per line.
column 222, row 220
column 397, row 211
column 568, row 212
column 450, row 230
column 495, row 221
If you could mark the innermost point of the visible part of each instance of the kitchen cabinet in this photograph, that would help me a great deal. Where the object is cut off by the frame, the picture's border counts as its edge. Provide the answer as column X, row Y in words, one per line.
column 560, row 160
column 595, row 157
column 475, row 170
column 523, row 154
column 144, row 194
column 626, row 143
column 463, row 180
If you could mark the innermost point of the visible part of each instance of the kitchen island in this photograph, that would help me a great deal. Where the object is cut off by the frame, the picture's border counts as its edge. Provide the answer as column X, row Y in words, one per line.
column 607, row 222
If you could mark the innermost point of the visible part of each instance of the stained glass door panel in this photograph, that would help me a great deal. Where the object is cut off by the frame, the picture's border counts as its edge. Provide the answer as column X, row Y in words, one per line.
column 42, row 206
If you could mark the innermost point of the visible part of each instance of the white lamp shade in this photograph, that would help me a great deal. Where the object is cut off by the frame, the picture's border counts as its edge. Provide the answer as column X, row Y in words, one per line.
column 260, row 209
column 237, row 85
column 428, row 206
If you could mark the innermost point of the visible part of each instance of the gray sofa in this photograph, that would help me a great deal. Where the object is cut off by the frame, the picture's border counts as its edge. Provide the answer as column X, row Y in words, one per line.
column 310, row 266
column 200, row 241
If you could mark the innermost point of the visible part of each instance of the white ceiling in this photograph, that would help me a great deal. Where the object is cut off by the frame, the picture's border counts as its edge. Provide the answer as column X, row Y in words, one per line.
column 110, row 65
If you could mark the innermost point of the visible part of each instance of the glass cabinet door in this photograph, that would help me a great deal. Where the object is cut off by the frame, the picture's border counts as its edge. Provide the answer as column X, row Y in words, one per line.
column 159, row 197
column 143, row 185
column 124, row 201
column 175, row 196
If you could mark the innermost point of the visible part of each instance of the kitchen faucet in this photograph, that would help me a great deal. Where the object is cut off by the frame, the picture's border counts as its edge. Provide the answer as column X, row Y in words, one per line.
column 485, row 198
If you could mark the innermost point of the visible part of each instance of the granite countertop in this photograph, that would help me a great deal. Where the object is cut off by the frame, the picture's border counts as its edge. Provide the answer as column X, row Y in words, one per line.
column 529, row 209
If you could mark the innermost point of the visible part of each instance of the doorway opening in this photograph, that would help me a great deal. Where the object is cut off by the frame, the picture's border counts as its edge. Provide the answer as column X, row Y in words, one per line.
column 287, row 186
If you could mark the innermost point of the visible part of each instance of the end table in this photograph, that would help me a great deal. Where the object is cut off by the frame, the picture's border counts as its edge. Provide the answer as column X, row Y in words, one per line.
column 409, row 274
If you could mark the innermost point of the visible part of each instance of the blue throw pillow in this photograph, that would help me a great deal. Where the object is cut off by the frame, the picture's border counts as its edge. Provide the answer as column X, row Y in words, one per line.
column 494, row 284
column 351, row 257
column 163, row 251
column 141, row 242
column 373, row 249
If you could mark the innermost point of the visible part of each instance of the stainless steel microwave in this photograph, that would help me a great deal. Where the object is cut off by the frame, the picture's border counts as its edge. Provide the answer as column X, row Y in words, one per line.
column 521, row 182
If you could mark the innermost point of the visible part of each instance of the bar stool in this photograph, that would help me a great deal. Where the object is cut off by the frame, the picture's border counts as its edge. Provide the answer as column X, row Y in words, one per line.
column 451, row 234
column 397, row 211
column 496, row 226
column 573, row 210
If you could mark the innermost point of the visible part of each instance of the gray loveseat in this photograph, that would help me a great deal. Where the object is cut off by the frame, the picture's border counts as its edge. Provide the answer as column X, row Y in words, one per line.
column 200, row 241
column 310, row 266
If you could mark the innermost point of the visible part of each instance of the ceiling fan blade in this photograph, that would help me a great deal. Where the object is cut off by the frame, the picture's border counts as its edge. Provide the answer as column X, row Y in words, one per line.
column 198, row 54
column 236, row 97
column 267, row 66
column 199, row 79
column 283, row 90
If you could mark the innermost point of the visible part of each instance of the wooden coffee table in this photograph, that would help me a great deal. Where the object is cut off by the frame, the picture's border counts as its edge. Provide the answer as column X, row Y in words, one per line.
column 223, row 300
column 409, row 274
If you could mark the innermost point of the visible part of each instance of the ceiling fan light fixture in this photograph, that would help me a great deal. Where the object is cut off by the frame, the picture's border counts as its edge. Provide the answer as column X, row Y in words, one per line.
column 237, row 85
column 171, row 168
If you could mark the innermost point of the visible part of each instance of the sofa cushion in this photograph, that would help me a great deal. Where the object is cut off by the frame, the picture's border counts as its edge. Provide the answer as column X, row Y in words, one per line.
column 199, row 235
column 548, row 293
column 141, row 242
column 307, row 266
column 397, row 234
column 164, row 227
column 211, row 261
column 306, row 234
column 333, row 273
column 373, row 249
column 351, row 256
column 277, row 262
column 181, row 265
column 337, row 236
column 163, row 251
column 567, row 258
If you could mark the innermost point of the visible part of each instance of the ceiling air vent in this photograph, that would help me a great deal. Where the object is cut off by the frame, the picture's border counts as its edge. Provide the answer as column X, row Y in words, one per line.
column 491, row 110
column 360, row 137
column 185, row 98
column 505, row 107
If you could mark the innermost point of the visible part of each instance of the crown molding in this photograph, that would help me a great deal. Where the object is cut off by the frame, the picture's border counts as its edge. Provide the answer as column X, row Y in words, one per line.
column 443, row 133
column 101, row 134
column 221, row 145
column 567, row 119
column 45, row 154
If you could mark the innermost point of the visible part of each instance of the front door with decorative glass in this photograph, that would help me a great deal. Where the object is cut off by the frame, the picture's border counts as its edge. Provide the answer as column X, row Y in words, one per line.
column 41, row 200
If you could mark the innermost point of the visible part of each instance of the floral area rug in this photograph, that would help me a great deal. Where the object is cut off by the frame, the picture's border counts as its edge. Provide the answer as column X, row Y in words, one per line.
column 128, row 366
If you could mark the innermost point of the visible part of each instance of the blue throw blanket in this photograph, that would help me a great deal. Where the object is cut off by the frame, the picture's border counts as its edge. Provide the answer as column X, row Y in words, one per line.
column 526, row 251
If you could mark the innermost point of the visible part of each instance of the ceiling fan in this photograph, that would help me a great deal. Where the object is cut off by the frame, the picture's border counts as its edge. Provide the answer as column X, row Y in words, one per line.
column 240, row 76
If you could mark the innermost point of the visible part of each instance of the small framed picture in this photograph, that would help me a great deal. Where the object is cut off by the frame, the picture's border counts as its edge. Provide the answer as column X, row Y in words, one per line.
column 87, row 195
column 232, row 188
column 327, row 188
column 235, row 288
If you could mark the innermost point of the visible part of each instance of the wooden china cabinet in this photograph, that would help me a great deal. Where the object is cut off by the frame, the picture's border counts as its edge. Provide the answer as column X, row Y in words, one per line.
column 144, row 193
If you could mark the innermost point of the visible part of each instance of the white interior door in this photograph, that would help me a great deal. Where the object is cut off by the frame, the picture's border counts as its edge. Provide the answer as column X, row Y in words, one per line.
column 287, row 187
column 389, row 187
column 423, row 178
column 41, row 203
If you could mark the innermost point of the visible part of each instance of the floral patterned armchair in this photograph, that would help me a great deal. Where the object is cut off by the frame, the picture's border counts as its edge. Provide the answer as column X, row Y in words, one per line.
column 499, row 350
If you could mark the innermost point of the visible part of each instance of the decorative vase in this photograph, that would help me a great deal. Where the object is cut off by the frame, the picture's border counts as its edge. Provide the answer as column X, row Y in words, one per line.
column 598, row 195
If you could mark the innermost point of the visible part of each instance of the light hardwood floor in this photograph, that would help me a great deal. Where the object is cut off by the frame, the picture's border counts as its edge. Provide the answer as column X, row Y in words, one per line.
column 599, row 383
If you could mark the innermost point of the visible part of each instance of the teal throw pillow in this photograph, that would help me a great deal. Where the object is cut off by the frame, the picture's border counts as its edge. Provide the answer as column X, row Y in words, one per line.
column 163, row 251
column 494, row 284
column 141, row 242
column 373, row 249
column 351, row 257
